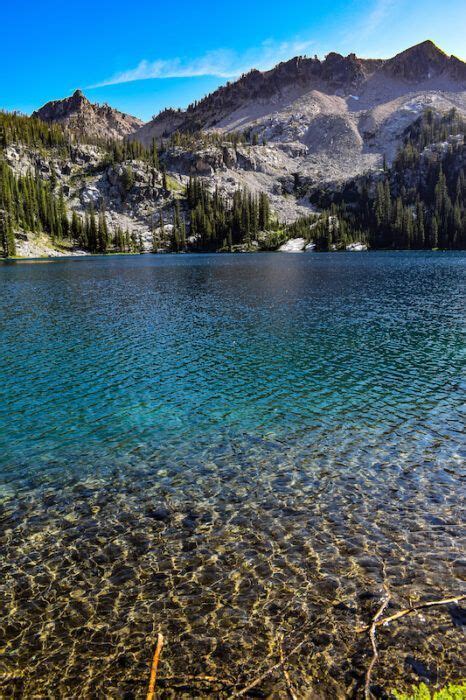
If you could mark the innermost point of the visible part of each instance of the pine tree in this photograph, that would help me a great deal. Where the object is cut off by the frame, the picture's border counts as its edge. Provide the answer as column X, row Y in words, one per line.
column 420, row 227
column 102, row 233
column 7, row 238
column 434, row 232
column 92, row 234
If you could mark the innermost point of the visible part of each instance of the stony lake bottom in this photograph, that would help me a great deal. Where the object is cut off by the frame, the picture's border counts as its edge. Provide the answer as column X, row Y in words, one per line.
column 241, row 452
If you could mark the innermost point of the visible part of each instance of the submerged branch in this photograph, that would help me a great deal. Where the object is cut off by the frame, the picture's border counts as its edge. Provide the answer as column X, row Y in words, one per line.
column 372, row 629
column 412, row 609
column 266, row 673
column 153, row 670
column 190, row 681
column 285, row 672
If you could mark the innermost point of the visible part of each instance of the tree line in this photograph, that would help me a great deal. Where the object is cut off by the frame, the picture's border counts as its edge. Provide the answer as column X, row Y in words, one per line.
column 419, row 202
column 17, row 128
column 217, row 222
column 30, row 204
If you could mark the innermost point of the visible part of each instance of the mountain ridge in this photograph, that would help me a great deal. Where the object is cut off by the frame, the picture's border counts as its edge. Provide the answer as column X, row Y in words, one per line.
column 335, row 74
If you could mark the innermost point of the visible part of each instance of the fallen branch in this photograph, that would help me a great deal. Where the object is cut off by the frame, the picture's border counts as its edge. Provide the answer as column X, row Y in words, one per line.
column 285, row 672
column 182, row 680
column 372, row 628
column 266, row 673
column 153, row 670
column 412, row 609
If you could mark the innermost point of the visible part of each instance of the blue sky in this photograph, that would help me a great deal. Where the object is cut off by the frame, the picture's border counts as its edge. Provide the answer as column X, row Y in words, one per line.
column 143, row 56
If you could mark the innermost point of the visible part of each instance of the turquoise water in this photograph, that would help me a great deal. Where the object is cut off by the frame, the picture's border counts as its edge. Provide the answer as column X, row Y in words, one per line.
column 231, row 450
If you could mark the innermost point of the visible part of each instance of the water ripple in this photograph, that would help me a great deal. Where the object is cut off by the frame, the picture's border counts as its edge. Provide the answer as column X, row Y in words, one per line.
column 225, row 449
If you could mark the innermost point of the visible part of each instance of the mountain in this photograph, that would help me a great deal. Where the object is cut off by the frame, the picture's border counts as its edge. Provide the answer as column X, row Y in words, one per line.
column 424, row 64
column 326, row 120
column 335, row 151
column 89, row 120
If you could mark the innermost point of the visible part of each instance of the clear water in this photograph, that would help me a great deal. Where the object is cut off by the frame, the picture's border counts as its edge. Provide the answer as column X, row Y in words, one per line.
column 230, row 450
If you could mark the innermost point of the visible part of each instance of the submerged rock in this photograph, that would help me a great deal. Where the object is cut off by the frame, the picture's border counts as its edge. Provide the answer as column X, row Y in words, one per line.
column 161, row 513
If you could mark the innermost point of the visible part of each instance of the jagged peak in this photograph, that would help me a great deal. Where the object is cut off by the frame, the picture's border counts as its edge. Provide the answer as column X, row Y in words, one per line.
column 419, row 62
column 80, row 115
column 426, row 45
column 78, row 94
column 426, row 49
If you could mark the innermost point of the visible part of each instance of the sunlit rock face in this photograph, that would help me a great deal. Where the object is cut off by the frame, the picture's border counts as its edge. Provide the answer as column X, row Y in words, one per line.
column 86, row 119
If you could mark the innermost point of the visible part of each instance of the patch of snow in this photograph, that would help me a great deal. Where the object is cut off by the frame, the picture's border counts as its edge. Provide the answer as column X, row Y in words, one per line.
column 310, row 247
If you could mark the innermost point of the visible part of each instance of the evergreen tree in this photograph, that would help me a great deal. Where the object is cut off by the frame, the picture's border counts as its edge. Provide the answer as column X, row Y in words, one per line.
column 102, row 233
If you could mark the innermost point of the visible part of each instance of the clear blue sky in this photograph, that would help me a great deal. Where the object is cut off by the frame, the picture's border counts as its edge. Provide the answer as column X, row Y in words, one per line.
column 142, row 56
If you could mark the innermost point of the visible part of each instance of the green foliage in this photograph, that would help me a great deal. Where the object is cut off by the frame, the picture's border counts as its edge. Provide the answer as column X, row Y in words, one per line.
column 17, row 128
column 453, row 691
column 7, row 238
column 29, row 203
column 127, row 178
column 172, row 185
column 121, row 151
column 218, row 222
column 329, row 231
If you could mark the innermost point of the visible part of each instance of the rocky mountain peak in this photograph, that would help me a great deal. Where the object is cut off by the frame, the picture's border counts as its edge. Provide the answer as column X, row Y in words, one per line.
column 78, row 97
column 83, row 118
column 420, row 62
column 336, row 74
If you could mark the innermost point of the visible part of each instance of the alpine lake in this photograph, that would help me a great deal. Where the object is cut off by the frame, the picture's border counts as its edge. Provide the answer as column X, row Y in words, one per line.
column 245, row 453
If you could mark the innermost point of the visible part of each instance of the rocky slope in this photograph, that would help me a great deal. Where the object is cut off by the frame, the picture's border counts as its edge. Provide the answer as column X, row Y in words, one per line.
column 327, row 120
column 87, row 179
column 88, row 120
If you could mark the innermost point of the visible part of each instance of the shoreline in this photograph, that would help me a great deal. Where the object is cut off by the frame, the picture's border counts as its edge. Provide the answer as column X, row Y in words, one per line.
column 85, row 255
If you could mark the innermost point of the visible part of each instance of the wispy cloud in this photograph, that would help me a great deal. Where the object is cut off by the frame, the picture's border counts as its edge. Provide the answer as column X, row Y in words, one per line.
column 222, row 63
column 379, row 13
column 364, row 32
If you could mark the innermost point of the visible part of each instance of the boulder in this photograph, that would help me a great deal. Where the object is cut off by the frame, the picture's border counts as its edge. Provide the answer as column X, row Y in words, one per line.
column 114, row 173
column 294, row 245
column 208, row 161
column 203, row 167
column 90, row 195
column 229, row 157
column 245, row 159
column 357, row 246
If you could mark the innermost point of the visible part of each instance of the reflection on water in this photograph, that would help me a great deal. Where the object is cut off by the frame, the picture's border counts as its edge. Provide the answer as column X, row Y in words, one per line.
column 228, row 449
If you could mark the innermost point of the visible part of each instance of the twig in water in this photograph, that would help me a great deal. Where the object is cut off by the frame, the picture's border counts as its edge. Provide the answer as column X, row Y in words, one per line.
column 153, row 669
column 266, row 673
column 372, row 628
column 285, row 671
column 412, row 609
column 184, row 680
